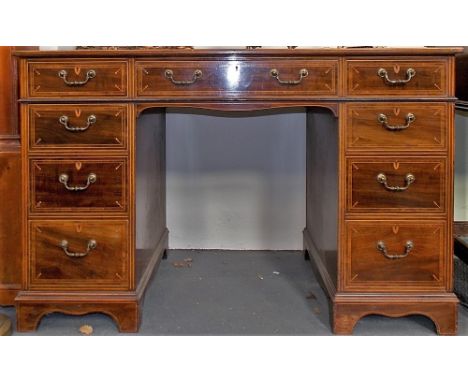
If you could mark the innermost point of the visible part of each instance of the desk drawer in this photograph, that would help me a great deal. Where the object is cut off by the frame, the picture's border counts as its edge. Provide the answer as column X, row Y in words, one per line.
column 397, row 78
column 76, row 78
column 79, row 255
column 77, row 185
column 396, row 185
column 78, row 126
column 274, row 78
column 408, row 126
column 396, row 256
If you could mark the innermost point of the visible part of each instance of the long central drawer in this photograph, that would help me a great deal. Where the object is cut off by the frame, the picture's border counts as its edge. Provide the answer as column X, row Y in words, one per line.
column 248, row 79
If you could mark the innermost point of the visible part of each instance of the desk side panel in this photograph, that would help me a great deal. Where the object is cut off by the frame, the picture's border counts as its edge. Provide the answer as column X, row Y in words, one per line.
column 322, row 190
column 150, row 188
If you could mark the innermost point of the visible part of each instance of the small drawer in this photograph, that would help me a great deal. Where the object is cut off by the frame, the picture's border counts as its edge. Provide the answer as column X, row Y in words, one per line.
column 78, row 126
column 79, row 255
column 397, row 78
column 249, row 79
column 77, row 185
column 395, row 256
column 76, row 78
column 396, row 185
column 397, row 126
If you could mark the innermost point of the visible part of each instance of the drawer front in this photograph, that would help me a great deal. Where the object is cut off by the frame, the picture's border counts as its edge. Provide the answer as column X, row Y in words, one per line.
column 80, row 126
column 76, row 78
column 396, row 255
column 251, row 79
column 397, row 126
column 397, row 185
column 78, row 185
column 79, row 255
column 397, row 78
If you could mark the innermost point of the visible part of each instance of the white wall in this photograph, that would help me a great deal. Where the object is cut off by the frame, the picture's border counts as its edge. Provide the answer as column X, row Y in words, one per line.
column 461, row 166
column 236, row 182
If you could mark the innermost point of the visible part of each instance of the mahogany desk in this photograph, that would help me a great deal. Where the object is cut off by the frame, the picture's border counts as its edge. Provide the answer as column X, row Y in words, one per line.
column 379, row 171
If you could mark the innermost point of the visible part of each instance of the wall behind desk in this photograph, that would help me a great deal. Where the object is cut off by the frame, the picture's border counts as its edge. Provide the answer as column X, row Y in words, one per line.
column 235, row 182
column 239, row 182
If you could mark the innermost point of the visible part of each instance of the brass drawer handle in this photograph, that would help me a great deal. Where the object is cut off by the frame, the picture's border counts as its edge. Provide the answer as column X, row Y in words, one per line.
column 63, row 74
column 410, row 73
column 63, row 178
column 303, row 73
column 92, row 244
column 383, row 250
column 409, row 179
column 169, row 74
column 383, row 119
column 64, row 121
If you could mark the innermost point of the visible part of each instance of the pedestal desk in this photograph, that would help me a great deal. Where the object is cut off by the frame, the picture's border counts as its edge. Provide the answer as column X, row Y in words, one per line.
column 379, row 171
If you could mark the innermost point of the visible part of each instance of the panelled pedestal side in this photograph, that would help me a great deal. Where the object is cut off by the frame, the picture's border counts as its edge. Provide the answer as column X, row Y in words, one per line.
column 10, row 183
column 379, row 171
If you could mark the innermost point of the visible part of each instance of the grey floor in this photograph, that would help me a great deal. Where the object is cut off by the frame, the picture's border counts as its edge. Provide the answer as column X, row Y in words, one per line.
column 237, row 293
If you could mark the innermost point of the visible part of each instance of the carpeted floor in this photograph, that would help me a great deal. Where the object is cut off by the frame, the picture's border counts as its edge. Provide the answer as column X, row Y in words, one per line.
column 237, row 293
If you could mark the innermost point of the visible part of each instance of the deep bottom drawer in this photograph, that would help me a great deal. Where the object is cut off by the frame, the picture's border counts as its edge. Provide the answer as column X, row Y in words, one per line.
column 396, row 256
column 79, row 255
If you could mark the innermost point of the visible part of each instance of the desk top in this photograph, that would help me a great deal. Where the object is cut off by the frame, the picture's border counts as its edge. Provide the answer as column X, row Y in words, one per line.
column 298, row 52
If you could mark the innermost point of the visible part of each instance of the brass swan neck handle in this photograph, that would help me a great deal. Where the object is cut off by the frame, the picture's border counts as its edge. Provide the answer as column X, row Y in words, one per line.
column 409, row 179
column 383, row 119
column 63, row 178
column 303, row 73
column 410, row 74
column 92, row 244
column 394, row 256
column 63, row 74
